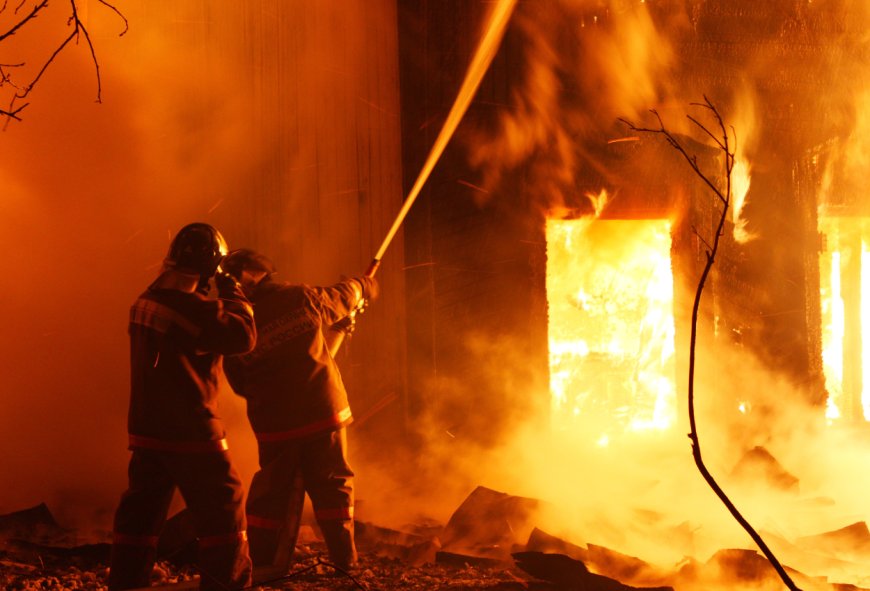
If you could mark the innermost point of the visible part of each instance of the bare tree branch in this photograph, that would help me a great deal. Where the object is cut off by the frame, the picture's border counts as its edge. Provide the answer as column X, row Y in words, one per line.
column 78, row 29
column 12, row 112
column 724, row 197
column 701, row 238
column 24, row 21
column 120, row 15
column 26, row 90
column 706, row 131
column 674, row 143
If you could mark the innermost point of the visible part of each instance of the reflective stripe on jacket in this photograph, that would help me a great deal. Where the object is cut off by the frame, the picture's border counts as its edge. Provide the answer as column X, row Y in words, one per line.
column 177, row 343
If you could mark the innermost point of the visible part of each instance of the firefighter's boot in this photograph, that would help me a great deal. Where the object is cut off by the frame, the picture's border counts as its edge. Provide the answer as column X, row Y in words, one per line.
column 338, row 535
column 131, row 566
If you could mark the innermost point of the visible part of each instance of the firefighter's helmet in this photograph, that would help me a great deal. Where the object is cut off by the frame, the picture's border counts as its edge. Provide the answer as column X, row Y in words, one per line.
column 197, row 248
column 245, row 259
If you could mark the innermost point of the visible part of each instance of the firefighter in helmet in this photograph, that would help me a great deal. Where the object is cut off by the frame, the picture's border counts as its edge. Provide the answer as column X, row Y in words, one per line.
column 298, row 408
column 178, row 337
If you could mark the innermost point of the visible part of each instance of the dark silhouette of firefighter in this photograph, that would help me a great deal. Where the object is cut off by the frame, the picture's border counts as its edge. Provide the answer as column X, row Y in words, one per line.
column 298, row 408
column 178, row 337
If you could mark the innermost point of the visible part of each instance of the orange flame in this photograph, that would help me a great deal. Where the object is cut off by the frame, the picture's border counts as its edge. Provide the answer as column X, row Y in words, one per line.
column 740, row 181
column 611, row 326
column 844, row 270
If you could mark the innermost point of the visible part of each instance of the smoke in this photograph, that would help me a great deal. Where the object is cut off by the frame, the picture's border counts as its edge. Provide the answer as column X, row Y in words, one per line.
column 585, row 66
column 790, row 473
column 581, row 72
column 640, row 493
column 845, row 103
column 846, row 164
column 221, row 112
column 91, row 195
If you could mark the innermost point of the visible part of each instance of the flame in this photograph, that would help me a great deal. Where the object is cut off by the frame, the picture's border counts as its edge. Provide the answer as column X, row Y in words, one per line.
column 599, row 202
column 611, row 326
column 840, row 274
column 741, row 178
column 832, row 321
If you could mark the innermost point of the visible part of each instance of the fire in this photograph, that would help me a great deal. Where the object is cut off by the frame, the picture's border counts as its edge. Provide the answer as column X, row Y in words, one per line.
column 845, row 280
column 740, row 181
column 611, row 326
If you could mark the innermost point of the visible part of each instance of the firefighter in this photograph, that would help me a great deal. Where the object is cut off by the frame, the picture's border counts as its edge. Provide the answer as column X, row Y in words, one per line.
column 178, row 337
column 298, row 408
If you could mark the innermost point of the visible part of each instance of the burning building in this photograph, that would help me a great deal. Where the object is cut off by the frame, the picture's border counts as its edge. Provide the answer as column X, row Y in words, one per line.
column 766, row 297
column 552, row 261
column 543, row 281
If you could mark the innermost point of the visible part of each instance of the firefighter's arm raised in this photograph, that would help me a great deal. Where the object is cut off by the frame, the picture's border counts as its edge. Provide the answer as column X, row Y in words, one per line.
column 345, row 298
column 228, row 327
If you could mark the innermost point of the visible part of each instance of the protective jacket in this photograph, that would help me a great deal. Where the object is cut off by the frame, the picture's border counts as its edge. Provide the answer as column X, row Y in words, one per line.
column 291, row 382
column 177, row 342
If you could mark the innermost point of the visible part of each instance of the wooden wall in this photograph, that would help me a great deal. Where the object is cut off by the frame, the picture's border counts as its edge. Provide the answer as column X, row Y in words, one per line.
column 477, row 324
column 287, row 111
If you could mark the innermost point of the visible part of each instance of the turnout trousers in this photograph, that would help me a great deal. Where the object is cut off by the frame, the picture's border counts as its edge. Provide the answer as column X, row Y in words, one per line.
column 213, row 493
column 289, row 469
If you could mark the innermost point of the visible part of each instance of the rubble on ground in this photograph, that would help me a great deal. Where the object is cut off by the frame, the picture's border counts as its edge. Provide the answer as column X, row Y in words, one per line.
column 491, row 542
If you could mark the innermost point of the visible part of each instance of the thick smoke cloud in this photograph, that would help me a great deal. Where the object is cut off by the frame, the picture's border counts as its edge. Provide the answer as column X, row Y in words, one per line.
column 91, row 194
column 202, row 118
column 573, row 86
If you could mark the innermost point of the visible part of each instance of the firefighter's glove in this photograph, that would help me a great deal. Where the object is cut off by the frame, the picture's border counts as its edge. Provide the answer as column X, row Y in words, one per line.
column 203, row 287
column 370, row 288
column 345, row 325
column 226, row 284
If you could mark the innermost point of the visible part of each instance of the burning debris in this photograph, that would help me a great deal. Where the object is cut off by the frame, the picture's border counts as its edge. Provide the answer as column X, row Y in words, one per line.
column 490, row 542
column 758, row 467
column 488, row 525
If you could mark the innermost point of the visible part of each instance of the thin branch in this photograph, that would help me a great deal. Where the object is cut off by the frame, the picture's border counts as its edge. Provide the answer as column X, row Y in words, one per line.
column 701, row 238
column 706, row 131
column 5, row 76
column 78, row 28
column 117, row 12
column 87, row 35
column 24, row 21
column 12, row 113
column 725, row 199
column 27, row 89
column 674, row 143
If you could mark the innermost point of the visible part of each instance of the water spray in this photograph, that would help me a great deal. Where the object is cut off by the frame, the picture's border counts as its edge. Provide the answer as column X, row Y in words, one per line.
column 489, row 43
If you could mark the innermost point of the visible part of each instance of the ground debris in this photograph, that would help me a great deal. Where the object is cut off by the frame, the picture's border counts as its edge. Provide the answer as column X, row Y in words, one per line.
column 569, row 573
column 480, row 548
column 35, row 523
column 312, row 572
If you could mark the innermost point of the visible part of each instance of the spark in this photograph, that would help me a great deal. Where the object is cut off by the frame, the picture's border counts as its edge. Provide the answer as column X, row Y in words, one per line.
column 133, row 235
column 472, row 186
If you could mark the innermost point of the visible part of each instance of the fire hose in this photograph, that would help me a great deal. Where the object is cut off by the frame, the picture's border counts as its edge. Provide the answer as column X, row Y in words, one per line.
column 498, row 20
